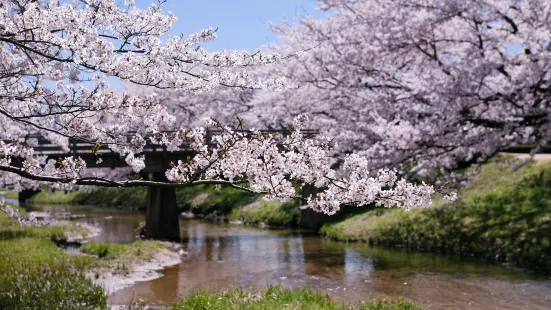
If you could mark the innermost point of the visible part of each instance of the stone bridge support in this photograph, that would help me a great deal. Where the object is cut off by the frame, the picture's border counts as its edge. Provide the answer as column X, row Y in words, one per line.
column 309, row 218
column 161, row 219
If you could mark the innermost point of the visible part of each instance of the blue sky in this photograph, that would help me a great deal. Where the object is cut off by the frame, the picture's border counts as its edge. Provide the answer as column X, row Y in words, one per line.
column 242, row 24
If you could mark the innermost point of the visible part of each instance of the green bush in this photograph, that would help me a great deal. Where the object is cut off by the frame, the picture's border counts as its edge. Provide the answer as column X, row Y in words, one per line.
column 36, row 274
column 277, row 298
column 503, row 214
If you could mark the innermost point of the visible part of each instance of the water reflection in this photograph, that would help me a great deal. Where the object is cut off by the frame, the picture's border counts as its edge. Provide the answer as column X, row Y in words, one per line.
column 225, row 256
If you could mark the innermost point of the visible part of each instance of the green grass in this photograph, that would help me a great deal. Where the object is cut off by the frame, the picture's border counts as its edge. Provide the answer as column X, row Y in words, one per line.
column 4, row 218
column 11, row 195
column 57, row 197
column 10, row 229
column 273, row 213
column 117, row 258
column 36, row 274
column 503, row 214
column 276, row 298
column 219, row 202
column 139, row 249
column 204, row 199
column 104, row 250
column 123, row 198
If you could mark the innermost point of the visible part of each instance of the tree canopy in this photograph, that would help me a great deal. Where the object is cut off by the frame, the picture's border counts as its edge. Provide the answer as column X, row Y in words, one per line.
column 57, row 59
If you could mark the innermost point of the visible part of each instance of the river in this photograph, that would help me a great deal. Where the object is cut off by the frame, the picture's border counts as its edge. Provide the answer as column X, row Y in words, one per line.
column 224, row 256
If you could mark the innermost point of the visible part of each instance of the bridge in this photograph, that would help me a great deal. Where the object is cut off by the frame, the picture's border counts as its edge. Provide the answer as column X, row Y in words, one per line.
column 162, row 218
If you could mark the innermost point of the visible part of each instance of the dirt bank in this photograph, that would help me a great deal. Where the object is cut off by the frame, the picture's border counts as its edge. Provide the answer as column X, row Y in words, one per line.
column 136, row 265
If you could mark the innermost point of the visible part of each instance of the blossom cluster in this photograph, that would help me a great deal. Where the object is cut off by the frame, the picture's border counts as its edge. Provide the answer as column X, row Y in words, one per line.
column 57, row 58
column 426, row 83
column 58, row 55
column 279, row 164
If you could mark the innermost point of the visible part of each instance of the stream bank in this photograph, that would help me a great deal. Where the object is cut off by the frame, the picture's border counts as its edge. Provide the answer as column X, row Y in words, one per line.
column 120, row 266
column 38, row 274
column 45, row 266
column 504, row 215
column 223, row 257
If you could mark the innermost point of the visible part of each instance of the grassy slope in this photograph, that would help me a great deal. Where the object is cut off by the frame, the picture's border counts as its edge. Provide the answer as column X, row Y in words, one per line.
column 278, row 299
column 502, row 214
column 136, row 198
column 36, row 274
column 272, row 213
column 207, row 200
column 126, row 198
column 57, row 197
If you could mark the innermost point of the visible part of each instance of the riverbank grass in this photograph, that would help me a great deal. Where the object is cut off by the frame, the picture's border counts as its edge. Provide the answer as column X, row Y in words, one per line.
column 503, row 214
column 202, row 199
column 121, row 265
column 11, row 195
column 56, row 197
column 276, row 298
column 36, row 274
column 270, row 213
column 140, row 249
column 60, row 234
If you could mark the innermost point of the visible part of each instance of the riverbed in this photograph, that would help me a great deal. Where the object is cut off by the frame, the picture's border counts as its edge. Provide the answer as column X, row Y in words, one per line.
column 225, row 256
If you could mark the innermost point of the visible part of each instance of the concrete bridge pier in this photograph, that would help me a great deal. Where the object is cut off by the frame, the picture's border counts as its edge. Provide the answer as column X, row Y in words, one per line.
column 309, row 218
column 161, row 219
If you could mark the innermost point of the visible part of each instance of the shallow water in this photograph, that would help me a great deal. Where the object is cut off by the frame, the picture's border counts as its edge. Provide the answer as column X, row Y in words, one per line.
column 223, row 256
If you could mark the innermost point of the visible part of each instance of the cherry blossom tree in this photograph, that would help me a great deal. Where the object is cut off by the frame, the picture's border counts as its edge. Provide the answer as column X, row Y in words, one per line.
column 439, row 84
column 57, row 58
